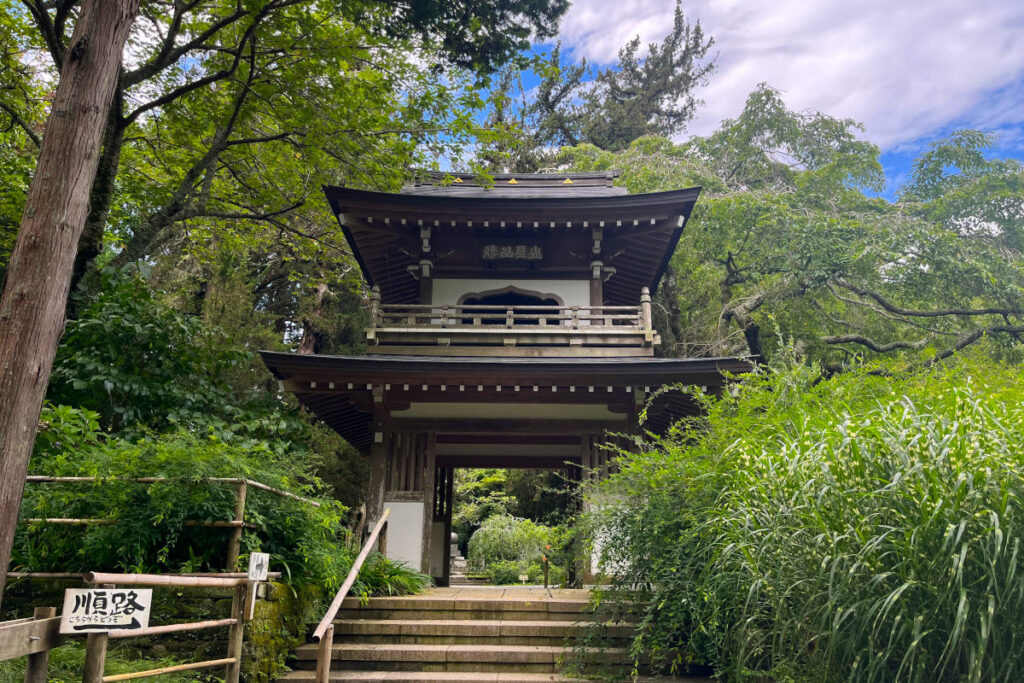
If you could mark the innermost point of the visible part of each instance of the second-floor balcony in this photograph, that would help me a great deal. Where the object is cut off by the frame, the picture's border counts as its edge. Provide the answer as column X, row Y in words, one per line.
column 515, row 330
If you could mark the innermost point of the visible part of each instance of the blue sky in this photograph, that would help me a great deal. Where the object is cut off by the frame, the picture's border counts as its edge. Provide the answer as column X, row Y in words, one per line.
column 911, row 71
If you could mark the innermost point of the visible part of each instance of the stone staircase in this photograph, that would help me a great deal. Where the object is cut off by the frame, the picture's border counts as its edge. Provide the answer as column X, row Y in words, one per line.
column 513, row 635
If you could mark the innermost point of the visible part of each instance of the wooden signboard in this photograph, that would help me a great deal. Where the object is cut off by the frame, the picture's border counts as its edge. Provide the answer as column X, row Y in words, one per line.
column 101, row 610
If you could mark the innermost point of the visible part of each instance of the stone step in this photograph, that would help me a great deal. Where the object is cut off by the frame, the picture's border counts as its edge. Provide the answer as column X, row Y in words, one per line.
column 466, row 631
column 492, row 658
column 356, row 676
column 507, row 609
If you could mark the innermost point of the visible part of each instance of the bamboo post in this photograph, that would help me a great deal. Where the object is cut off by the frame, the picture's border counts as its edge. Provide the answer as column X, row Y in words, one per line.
column 323, row 659
column 95, row 654
column 382, row 545
column 235, row 544
column 235, row 635
column 38, row 662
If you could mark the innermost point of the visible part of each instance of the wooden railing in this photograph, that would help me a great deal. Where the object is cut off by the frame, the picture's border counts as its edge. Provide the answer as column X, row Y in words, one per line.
column 323, row 635
column 236, row 525
column 510, row 326
column 244, row 595
column 34, row 636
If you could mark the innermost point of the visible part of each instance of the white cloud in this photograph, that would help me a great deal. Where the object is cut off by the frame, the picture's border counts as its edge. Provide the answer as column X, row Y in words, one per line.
column 904, row 68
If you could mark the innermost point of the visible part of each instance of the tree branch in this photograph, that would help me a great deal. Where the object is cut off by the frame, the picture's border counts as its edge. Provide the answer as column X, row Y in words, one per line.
column 872, row 344
column 973, row 336
column 22, row 123
column 893, row 308
column 169, row 54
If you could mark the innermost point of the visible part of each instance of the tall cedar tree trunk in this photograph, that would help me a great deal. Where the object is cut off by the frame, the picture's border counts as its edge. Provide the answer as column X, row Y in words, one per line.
column 39, row 276
column 102, row 193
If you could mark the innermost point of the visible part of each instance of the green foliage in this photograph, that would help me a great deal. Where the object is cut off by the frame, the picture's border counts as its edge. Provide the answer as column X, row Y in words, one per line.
column 649, row 96
column 481, row 493
column 610, row 108
column 787, row 242
column 21, row 115
column 383, row 576
column 149, row 532
column 504, row 537
column 508, row 572
column 507, row 547
column 144, row 366
column 67, row 662
column 133, row 359
column 864, row 528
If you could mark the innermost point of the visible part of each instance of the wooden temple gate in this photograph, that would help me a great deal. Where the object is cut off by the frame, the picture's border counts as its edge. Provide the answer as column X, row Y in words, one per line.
column 509, row 326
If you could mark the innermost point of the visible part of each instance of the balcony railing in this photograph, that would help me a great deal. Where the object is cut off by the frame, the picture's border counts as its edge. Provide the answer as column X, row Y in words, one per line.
column 538, row 330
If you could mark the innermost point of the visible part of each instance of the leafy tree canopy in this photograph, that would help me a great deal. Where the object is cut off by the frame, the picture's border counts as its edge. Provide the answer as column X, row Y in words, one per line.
column 653, row 94
column 789, row 241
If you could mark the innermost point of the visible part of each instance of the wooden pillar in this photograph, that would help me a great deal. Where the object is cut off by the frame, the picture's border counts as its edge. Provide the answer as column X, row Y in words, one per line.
column 375, row 317
column 95, row 653
column 426, row 281
column 427, row 478
column 449, row 491
column 596, row 283
column 646, row 319
column 597, row 268
column 35, row 668
column 323, row 658
column 235, row 543
column 379, row 455
column 95, row 658
column 426, row 268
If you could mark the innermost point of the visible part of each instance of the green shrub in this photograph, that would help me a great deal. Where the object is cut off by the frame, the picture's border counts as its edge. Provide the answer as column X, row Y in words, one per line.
column 383, row 576
column 505, row 572
column 504, row 537
column 133, row 359
column 864, row 528
column 506, row 547
column 148, row 532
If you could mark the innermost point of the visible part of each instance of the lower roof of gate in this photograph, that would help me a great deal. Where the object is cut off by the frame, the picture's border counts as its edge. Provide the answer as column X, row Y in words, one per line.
column 425, row 393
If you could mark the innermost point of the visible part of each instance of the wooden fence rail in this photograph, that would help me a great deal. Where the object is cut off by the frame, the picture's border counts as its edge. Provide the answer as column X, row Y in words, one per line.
column 35, row 637
column 244, row 594
column 236, row 525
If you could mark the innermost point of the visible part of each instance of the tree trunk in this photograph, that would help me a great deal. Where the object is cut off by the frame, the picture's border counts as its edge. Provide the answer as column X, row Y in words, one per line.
column 312, row 336
column 102, row 193
column 39, row 276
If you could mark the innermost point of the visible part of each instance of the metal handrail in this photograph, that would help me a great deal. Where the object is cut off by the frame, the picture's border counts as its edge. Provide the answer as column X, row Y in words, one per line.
column 324, row 632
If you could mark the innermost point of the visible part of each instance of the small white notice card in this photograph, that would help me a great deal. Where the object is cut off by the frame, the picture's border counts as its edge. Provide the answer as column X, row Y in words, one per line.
column 259, row 563
column 99, row 610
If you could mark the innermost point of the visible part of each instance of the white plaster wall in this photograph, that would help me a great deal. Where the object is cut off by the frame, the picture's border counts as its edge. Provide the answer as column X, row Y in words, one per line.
column 405, row 532
column 572, row 292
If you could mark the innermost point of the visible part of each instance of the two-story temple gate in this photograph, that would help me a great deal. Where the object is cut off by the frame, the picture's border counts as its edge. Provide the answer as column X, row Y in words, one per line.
column 510, row 327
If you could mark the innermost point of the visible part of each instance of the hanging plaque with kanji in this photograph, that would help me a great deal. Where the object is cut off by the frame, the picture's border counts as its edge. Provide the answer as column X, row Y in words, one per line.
column 98, row 610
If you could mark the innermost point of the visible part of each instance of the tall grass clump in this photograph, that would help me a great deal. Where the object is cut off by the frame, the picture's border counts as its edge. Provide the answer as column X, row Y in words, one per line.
column 865, row 527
